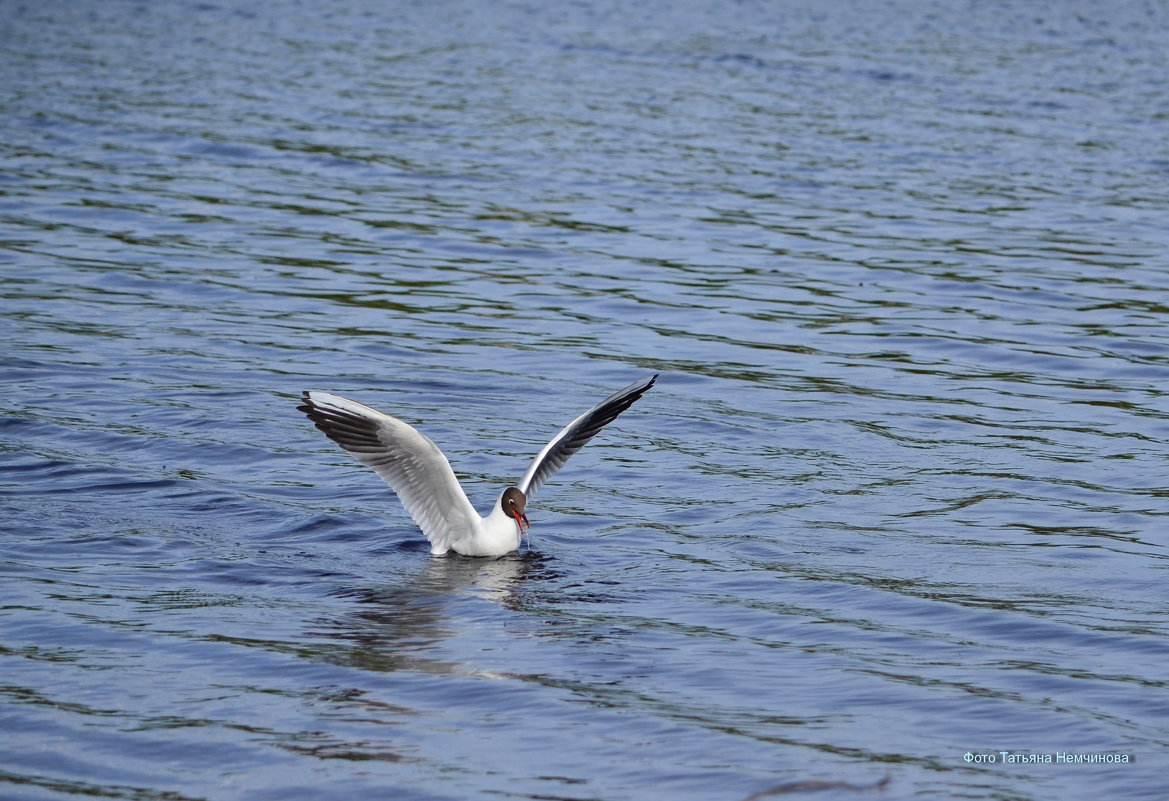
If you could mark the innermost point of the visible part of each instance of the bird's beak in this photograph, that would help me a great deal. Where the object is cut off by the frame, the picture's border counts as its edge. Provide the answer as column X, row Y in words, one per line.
column 521, row 520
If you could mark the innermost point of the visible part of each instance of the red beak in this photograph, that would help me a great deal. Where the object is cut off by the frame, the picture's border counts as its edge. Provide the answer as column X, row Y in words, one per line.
column 521, row 520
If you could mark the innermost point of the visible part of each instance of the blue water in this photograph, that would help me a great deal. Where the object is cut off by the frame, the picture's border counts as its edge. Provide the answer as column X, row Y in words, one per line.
column 896, row 506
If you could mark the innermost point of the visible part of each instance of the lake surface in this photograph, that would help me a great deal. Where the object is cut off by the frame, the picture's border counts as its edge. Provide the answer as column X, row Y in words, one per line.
column 898, row 505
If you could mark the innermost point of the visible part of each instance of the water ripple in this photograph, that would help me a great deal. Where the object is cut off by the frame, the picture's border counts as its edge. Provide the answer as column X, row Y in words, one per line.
column 897, row 496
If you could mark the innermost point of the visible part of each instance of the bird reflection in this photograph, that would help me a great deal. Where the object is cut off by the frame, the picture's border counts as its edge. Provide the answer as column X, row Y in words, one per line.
column 403, row 626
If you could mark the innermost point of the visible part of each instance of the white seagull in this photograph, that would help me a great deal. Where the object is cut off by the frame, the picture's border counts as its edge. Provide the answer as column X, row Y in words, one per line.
column 421, row 476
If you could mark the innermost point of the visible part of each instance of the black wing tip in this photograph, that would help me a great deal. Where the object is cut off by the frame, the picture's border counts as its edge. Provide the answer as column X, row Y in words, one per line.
column 353, row 432
column 606, row 412
column 648, row 385
column 319, row 413
column 624, row 398
column 308, row 405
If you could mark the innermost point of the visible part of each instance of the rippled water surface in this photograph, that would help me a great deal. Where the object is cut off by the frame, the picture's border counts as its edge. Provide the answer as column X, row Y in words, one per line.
column 899, row 499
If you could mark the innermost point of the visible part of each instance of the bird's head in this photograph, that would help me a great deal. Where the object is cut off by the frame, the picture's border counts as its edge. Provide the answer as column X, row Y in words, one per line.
column 513, row 503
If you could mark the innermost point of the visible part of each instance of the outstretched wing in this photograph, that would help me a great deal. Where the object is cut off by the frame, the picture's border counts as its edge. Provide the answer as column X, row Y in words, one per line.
column 409, row 462
column 573, row 437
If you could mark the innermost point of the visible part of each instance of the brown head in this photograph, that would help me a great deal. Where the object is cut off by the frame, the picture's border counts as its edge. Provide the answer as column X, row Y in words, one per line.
column 513, row 503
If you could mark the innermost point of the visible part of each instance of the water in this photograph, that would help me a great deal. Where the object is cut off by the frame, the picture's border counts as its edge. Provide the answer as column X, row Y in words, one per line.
column 899, row 496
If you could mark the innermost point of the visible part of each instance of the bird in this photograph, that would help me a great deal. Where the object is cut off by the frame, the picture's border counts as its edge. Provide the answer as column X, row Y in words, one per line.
column 420, row 475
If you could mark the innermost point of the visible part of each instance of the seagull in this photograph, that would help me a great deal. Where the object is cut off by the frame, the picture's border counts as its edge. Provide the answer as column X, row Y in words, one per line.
column 421, row 476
